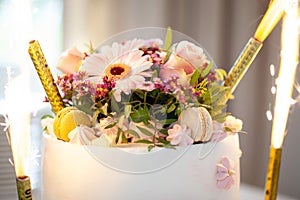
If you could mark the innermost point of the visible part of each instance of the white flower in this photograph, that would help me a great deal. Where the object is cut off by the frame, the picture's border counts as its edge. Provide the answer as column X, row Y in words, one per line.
column 180, row 135
column 47, row 125
column 122, row 62
column 234, row 124
column 82, row 135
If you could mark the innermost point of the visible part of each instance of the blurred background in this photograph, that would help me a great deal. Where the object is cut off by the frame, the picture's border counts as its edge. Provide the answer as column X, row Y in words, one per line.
column 221, row 27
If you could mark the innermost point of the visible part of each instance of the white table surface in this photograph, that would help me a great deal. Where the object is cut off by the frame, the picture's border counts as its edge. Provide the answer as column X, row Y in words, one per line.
column 250, row 192
column 247, row 192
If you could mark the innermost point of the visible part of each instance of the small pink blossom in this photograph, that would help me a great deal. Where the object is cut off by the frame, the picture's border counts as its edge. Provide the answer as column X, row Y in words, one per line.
column 147, row 85
column 225, row 174
column 70, row 61
column 180, row 135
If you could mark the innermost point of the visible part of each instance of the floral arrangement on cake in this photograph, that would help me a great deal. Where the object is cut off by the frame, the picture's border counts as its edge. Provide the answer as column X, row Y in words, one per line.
column 154, row 92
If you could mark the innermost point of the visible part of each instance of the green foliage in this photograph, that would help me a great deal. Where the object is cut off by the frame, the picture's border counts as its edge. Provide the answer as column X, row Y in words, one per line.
column 47, row 116
column 168, row 39
column 145, row 131
column 211, row 94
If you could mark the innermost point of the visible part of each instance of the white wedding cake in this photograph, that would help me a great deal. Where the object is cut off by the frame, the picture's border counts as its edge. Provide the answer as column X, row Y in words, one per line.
column 72, row 172
column 141, row 119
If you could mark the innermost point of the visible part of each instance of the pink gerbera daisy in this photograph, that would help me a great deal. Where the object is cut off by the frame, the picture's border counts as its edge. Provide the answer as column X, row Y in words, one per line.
column 124, row 63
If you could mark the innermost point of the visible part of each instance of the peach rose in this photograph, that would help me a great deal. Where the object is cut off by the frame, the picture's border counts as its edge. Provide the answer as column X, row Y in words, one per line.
column 70, row 61
column 176, row 66
column 191, row 53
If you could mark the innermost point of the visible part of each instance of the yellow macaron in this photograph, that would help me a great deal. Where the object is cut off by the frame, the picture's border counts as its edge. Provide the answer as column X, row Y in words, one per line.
column 68, row 119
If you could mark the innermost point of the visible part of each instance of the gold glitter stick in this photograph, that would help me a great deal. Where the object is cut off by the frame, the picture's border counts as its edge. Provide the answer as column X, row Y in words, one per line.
column 24, row 188
column 241, row 65
column 273, row 174
column 243, row 62
column 45, row 75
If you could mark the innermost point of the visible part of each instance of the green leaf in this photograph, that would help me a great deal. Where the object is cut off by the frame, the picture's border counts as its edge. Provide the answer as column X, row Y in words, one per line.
column 171, row 108
column 110, row 125
column 150, row 147
column 47, row 116
column 124, row 139
column 217, row 98
column 127, row 110
column 139, row 93
column 144, row 141
column 154, row 74
column 121, row 121
column 207, row 70
column 220, row 117
column 140, row 115
column 114, row 105
column 169, row 146
column 163, row 141
column 227, row 129
column 163, row 131
column 195, row 76
column 220, row 74
column 169, row 121
column 213, row 89
column 132, row 132
column 167, row 56
column 91, row 48
column 118, row 135
column 168, row 39
column 145, row 131
column 149, row 126
column 219, row 107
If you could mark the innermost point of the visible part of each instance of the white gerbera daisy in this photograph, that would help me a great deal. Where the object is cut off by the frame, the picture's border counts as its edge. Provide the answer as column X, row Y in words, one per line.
column 123, row 63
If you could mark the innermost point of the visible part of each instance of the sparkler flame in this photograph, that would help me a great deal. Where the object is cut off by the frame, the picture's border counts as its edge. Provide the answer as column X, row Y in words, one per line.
column 19, row 123
column 288, row 65
column 270, row 19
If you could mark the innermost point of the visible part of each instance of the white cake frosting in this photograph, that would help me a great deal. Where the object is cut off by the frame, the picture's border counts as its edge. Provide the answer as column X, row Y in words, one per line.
column 76, row 172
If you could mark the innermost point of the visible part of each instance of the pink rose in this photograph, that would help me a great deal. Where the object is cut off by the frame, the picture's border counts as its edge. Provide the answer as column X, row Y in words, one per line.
column 191, row 53
column 70, row 61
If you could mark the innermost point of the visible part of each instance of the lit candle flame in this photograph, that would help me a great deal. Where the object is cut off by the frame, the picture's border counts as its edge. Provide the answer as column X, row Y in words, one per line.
column 270, row 19
column 19, row 122
column 288, row 65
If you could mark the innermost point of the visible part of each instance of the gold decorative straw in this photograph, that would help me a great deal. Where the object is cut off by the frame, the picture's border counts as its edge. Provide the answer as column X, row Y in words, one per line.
column 24, row 188
column 241, row 65
column 45, row 75
column 273, row 174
